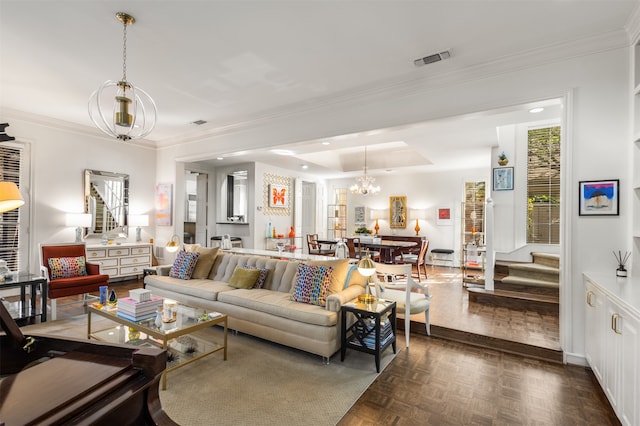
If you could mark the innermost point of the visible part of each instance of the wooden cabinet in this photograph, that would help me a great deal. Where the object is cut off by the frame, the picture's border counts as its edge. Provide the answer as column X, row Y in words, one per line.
column 612, row 347
column 118, row 261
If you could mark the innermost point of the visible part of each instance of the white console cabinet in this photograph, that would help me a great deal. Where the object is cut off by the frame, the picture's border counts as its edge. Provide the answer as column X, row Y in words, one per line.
column 612, row 341
column 120, row 261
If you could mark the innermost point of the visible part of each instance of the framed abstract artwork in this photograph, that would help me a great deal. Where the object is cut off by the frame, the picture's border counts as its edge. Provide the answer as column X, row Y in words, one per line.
column 164, row 204
column 599, row 197
column 398, row 212
column 278, row 196
column 443, row 215
column 503, row 179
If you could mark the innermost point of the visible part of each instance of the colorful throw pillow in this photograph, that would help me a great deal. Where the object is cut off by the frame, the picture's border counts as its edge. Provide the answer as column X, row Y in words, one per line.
column 244, row 278
column 312, row 284
column 205, row 262
column 184, row 265
column 67, row 267
column 262, row 278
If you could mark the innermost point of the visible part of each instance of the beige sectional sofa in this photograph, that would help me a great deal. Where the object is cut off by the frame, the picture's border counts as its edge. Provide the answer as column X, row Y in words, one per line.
column 268, row 312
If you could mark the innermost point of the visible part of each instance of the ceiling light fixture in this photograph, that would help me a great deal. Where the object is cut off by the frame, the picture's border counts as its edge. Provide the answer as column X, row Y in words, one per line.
column 536, row 110
column 133, row 116
column 365, row 183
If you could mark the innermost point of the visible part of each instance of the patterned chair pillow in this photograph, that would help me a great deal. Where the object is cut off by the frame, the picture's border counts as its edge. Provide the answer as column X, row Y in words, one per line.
column 262, row 278
column 67, row 267
column 184, row 265
column 312, row 284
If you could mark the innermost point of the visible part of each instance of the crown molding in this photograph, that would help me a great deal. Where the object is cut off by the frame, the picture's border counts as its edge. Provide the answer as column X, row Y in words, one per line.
column 9, row 114
column 633, row 25
column 537, row 57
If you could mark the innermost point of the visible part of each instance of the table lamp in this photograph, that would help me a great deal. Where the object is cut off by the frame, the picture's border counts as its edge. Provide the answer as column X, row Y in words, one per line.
column 416, row 214
column 138, row 220
column 367, row 267
column 10, row 197
column 80, row 221
column 173, row 244
column 377, row 214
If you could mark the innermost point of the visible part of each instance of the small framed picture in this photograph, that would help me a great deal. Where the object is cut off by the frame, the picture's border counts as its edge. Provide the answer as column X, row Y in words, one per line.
column 443, row 215
column 503, row 179
column 599, row 197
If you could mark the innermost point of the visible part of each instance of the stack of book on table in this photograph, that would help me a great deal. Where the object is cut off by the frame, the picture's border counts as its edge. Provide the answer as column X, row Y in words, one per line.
column 136, row 308
column 368, row 333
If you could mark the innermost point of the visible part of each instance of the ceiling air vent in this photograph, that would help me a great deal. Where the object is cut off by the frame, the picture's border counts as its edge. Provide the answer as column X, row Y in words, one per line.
column 199, row 122
column 436, row 57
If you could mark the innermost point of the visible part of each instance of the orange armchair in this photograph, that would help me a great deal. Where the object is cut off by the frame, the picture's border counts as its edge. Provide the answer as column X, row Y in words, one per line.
column 72, row 285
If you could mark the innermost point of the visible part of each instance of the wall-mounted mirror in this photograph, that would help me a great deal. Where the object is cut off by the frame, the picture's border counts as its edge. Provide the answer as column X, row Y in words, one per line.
column 106, row 196
column 237, row 193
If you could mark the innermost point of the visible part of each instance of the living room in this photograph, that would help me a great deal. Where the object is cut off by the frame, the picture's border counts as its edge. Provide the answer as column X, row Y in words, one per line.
column 589, row 72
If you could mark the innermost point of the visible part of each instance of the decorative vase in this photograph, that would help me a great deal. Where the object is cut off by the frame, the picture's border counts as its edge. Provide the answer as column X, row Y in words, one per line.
column 503, row 162
column 292, row 233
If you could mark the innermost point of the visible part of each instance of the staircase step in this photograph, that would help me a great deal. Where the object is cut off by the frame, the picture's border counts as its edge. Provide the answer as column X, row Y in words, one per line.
column 534, row 271
column 533, row 282
column 523, row 288
column 516, row 300
column 547, row 259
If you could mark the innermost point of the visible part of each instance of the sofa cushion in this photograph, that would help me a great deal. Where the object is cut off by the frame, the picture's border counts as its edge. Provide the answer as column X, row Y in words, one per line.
column 201, row 288
column 184, row 265
column 312, row 284
column 340, row 271
column 279, row 304
column 244, row 278
column 261, row 278
column 67, row 267
column 205, row 262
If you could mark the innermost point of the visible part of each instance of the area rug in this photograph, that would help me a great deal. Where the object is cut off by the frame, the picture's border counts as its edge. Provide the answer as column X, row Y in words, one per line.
column 261, row 383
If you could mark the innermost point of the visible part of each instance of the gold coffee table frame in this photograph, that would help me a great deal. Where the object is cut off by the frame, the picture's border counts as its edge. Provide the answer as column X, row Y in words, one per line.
column 189, row 319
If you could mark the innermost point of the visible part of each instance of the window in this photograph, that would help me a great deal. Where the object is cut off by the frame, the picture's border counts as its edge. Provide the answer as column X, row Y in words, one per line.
column 10, row 231
column 473, row 212
column 543, row 185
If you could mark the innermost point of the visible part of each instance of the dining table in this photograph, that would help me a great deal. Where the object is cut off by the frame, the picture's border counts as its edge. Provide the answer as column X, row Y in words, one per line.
column 387, row 248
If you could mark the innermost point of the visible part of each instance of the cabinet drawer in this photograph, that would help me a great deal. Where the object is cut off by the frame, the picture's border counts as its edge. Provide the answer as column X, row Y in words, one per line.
column 132, row 270
column 96, row 254
column 104, row 263
column 116, row 252
column 112, row 272
column 141, row 250
column 138, row 260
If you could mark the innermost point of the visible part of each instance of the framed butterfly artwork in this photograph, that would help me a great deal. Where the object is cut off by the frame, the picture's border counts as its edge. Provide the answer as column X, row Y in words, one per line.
column 278, row 196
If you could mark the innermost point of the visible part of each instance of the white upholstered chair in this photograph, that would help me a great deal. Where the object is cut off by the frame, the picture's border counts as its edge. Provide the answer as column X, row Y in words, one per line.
column 407, row 302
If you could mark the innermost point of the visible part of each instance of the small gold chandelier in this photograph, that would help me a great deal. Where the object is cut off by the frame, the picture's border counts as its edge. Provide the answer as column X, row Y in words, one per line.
column 133, row 116
column 365, row 184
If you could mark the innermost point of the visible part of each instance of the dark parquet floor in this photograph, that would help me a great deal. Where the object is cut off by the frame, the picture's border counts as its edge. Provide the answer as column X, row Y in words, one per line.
column 442, row 382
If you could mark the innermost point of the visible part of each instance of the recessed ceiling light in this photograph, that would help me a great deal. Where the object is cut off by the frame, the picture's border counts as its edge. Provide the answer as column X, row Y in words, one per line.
column 220, row 158
column 326, row 143
column 282, row 151
column 536, row 110
column 304, row 166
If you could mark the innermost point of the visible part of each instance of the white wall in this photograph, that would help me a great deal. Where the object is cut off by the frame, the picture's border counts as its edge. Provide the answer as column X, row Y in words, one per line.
column 425, row 191
column 59, row 157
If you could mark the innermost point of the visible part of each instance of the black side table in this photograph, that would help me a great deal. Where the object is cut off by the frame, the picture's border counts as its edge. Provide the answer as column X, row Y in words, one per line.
column 374, row 328
column 28, row 311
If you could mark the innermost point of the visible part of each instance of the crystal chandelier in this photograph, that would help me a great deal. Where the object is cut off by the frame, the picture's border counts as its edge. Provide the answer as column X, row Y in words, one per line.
column 133, row 115
column 365, row 184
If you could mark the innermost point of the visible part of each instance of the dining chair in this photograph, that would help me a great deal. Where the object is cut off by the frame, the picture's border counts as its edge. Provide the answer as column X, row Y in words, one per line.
column 416, row 260
column 68, row 273
column 315, row 247
column 355, row 249
column 408, row 302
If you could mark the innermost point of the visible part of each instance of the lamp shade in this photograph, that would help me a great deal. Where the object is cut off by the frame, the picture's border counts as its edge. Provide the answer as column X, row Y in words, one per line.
column 173, row 244
column 82, row 220
column 10, row 197
column 415, row 214
column 138, row 220
column 377, row 214
column 366, row 266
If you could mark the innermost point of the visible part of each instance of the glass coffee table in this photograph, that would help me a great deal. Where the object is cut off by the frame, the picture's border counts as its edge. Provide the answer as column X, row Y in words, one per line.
column 178, row 338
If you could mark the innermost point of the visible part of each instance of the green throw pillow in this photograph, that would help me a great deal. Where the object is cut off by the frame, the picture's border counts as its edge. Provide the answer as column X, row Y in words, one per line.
column 244, row 278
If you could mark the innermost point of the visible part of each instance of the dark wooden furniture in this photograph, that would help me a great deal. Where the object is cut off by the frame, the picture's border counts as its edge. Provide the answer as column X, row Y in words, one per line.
column 28, row 311
column 55, row 381
column 389, row 248
column 314, row 246
column 373, row 331
column 417, row 259
column 405, row 250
